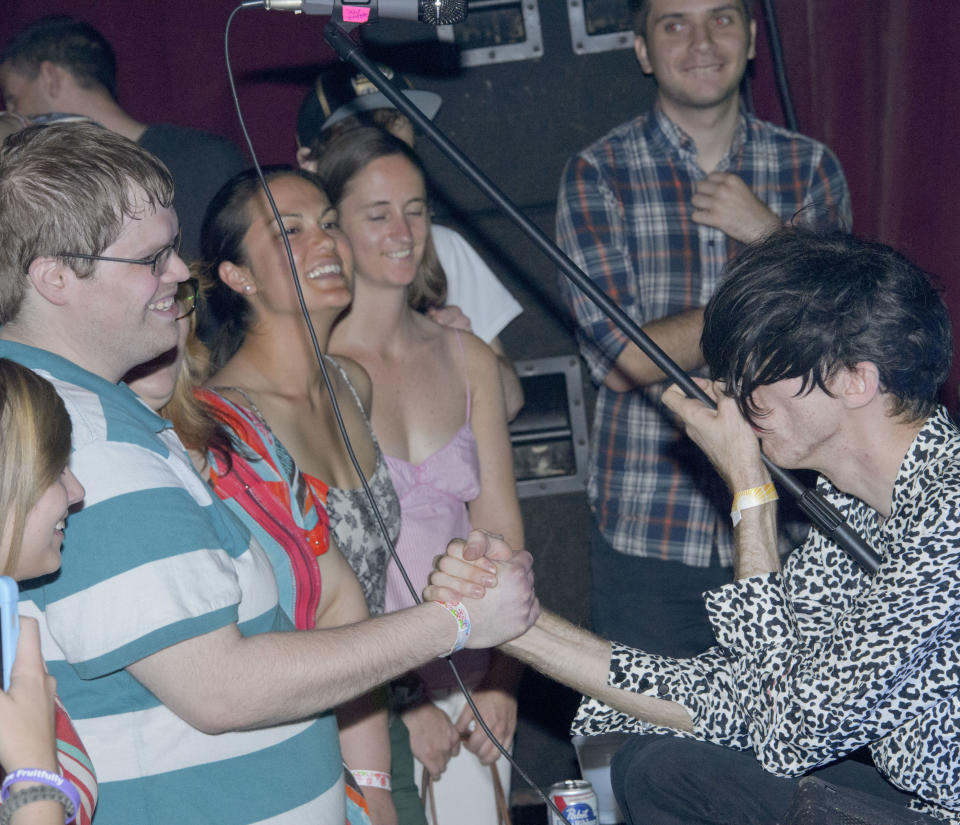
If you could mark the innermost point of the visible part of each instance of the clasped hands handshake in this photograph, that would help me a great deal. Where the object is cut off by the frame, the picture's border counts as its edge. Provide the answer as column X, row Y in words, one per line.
column 493, row 581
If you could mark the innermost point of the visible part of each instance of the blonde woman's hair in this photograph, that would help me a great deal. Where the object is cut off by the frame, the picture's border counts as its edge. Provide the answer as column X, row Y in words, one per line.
column 193, row 420
column 34, row 448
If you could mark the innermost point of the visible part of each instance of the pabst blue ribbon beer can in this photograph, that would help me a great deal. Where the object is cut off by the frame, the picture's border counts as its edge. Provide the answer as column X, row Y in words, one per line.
column 576, row 800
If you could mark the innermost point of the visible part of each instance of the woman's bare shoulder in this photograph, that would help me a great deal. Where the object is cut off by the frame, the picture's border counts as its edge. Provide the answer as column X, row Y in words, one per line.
column 478, row 354
column 471, row 355
column 230, row 383
column 357, row 376
column 454, row 338
column 237, row 372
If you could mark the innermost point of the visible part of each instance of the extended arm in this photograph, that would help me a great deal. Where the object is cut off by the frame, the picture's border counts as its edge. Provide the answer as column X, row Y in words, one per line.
column 579, row 659
column 222, row 681
column 631, row 690
column 554, row 646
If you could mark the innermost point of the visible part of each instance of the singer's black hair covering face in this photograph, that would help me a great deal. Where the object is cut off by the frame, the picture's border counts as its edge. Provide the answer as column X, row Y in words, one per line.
column 803, row 304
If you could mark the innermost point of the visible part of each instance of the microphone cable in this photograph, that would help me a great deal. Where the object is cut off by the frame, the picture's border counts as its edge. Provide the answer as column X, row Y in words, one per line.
column 385, row 533
column 779, row 67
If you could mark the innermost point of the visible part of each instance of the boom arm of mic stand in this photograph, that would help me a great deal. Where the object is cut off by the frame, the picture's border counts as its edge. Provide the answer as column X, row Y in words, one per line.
column 820, row 511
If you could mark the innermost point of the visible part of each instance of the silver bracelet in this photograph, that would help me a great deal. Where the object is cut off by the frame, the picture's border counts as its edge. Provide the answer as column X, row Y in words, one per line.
column 36, row 793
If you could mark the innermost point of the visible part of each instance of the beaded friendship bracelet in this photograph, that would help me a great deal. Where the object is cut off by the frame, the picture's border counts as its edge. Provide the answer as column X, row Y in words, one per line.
column 36, row 793
column 52, row 784
column 373, row 779
column 459, row 612
column 753, row 497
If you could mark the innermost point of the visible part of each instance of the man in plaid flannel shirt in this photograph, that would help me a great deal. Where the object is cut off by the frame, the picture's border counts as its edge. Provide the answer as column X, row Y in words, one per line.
column 652, row 212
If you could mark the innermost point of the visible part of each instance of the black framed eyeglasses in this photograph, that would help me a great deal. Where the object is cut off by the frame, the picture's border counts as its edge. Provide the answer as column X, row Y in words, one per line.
column 155, row 262
column 187, row 292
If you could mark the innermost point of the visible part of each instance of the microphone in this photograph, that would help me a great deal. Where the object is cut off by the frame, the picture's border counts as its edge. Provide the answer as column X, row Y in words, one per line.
column 431, row 12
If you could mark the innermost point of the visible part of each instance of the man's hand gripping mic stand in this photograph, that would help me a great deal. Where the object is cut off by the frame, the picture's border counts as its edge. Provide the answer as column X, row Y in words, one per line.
column 823, row 514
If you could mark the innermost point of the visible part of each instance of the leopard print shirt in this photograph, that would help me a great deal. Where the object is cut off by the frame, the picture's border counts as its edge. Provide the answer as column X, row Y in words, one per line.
column 814, row 662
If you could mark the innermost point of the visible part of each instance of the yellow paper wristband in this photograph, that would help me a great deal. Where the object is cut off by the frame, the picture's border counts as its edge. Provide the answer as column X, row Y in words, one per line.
column 753, row 497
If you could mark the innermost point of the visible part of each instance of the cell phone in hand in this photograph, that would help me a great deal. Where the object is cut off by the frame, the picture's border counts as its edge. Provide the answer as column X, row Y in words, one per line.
column 9, row 625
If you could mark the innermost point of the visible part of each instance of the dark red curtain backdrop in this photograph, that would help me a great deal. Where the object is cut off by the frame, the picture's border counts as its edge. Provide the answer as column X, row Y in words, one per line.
column 172, row 67
column 874, row 79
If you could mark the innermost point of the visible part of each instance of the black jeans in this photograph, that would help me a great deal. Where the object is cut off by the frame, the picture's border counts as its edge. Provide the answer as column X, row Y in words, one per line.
column 664, row 780
column 651, row 604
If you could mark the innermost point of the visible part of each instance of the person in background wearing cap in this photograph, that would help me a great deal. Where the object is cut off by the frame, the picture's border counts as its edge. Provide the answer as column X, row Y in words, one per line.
column 476, row 300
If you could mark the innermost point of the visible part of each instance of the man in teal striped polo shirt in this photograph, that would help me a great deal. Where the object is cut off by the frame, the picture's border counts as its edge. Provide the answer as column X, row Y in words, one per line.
column 163, row 628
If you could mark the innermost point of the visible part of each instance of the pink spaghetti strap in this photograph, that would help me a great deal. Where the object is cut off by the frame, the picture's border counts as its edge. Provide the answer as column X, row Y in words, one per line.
column 466, row 375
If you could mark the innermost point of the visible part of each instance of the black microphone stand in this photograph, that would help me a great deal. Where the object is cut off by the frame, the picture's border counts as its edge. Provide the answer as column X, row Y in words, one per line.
column 823, row 514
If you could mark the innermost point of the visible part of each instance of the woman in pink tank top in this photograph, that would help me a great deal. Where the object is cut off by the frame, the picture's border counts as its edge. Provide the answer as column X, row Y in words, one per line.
column 439, row 415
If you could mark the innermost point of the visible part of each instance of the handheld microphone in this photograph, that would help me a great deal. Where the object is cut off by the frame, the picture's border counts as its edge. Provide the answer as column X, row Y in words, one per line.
column 431, row 12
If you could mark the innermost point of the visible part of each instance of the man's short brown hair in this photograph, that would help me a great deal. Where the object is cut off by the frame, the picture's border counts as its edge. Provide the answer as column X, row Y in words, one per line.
column 69, row 187
column 641, row 14
column 69, row 43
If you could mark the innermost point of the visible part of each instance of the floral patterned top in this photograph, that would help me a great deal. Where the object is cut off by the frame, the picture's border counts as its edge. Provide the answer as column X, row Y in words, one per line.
column 262, row 485
column 355, row 526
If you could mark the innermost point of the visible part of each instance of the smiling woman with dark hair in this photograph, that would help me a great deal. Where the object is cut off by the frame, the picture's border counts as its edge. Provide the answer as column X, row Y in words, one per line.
column 268, row 389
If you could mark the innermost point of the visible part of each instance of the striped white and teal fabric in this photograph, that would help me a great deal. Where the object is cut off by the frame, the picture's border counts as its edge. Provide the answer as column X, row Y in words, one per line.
column 151, row 559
